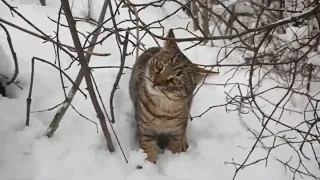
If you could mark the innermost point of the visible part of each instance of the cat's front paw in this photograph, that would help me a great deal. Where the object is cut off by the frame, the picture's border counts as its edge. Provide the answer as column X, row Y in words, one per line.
column 185, row 146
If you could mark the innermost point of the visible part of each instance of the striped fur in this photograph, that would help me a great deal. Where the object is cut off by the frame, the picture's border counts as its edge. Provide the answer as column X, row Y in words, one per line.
column 161, row 86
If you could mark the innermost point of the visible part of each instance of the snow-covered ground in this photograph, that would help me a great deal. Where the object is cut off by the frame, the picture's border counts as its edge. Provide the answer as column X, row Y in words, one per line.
column 77, row 151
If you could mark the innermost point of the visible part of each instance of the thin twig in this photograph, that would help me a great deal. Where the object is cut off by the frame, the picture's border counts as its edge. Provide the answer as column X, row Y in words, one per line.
column 85, row 67
column 63, row 109
column 14, row 56
column 47, row 38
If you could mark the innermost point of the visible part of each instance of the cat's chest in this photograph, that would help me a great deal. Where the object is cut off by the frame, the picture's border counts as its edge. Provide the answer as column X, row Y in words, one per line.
column 165, row 103
column 163, row 111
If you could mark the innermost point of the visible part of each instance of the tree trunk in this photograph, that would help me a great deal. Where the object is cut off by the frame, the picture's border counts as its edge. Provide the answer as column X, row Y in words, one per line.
column 43, row 2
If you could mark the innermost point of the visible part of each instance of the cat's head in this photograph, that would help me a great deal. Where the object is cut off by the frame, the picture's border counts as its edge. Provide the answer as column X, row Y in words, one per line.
column 171, row 71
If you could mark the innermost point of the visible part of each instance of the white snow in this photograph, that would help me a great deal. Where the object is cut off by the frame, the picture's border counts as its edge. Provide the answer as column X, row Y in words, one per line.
column 77, row 151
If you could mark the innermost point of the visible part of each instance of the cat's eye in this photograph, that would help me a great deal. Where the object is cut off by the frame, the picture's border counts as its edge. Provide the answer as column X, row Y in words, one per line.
column 159, row 65
column 177, row 58
column 175, row 81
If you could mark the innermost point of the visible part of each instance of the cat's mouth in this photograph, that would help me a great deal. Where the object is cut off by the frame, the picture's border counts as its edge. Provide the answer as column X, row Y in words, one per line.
column 159, row 81
column 165, row 88
column 162, row 84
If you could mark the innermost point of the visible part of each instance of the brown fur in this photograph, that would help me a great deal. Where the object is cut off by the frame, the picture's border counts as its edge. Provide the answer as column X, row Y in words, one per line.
column 161, row 86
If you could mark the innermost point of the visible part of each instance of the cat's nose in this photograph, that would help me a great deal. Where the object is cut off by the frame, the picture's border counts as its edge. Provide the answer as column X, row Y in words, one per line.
column 159, row 81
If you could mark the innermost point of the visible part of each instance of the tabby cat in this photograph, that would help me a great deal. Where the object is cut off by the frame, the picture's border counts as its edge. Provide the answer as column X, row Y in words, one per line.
column 161, row 88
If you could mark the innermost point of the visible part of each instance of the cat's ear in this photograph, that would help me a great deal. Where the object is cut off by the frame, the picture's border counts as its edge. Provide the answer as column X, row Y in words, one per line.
column 202, row 73
column 171, row 44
